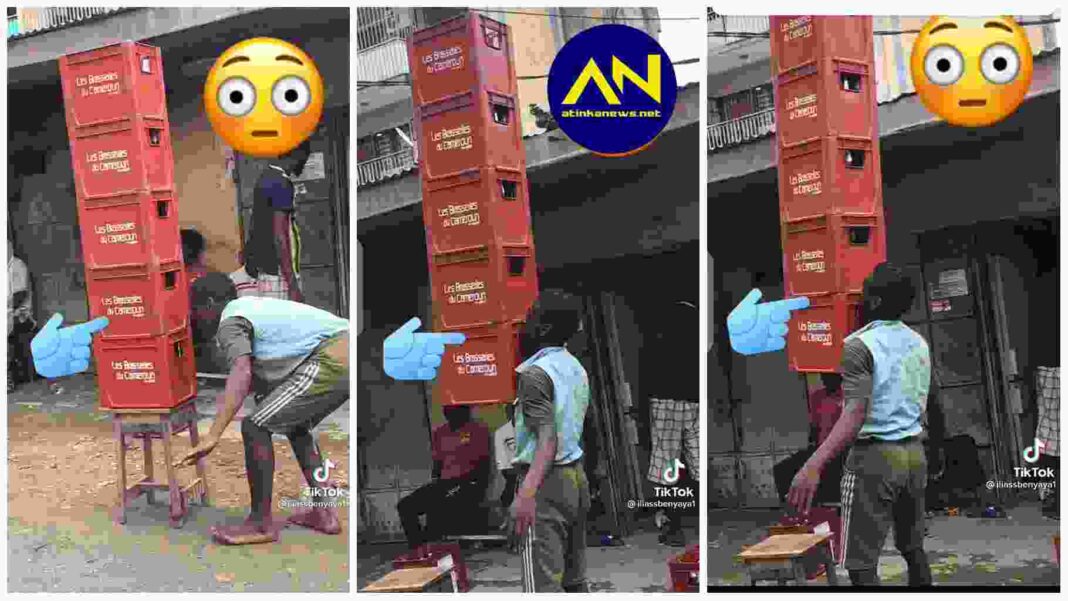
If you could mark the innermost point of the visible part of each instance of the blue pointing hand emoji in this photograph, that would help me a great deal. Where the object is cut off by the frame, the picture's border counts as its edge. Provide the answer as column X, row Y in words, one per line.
column 408, row 355
column 59, row 352
column 761, row 328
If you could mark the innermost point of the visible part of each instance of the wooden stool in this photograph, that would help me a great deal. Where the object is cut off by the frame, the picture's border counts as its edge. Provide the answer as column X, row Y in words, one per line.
column 780, row 557
column 163, row 424
column 415, row 580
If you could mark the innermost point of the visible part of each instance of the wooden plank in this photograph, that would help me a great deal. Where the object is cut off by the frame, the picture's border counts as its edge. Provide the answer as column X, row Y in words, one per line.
column 407, row 580
column 152, row 410
column 191, row 485
column 478, row 537
column 782, row 546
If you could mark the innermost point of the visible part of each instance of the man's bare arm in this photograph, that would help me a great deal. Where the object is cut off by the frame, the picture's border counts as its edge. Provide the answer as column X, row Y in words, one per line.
column 544, row 455
column 238, row 385
column 843, row 433
column 285, row 253
column 857, row 369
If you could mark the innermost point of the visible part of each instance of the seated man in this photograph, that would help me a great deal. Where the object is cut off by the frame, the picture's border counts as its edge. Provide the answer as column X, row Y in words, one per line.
column 460, row 451
column 504, row 453
column 20, row 323
column 296, row 359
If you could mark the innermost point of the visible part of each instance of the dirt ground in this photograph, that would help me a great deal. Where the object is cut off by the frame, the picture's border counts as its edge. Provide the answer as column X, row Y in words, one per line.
column 62, row 488
column 63, row 467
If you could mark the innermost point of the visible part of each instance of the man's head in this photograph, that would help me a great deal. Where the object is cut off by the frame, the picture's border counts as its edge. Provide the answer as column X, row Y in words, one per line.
column 553, row 319
column 457, row 415
column 832, row 382
column 193, row 247
column 888, row 293
column 210, row 295
column 294, row 162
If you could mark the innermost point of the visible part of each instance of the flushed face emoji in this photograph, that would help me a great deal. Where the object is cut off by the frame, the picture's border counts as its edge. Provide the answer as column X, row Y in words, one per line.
column 264, row 97
column 971, row 71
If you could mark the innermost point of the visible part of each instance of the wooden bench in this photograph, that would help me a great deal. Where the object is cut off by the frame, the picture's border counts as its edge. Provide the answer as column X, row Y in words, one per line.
column 780, row 557
column 415, row 580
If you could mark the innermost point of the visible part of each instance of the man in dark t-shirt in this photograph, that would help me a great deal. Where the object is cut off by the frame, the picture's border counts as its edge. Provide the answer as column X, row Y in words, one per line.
column 273, row 248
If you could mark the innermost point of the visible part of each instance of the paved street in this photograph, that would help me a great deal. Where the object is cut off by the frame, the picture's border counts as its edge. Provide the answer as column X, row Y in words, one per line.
column 640, row 565
column 1015, row 550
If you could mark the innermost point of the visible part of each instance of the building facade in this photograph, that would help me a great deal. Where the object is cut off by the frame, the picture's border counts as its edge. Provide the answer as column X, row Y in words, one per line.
column 618, row 232
column 972, row 214
column 213, row 184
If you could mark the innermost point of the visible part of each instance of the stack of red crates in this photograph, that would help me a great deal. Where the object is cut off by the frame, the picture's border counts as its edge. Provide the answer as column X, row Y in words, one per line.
column 830, row 178
column 476, row 207
column 124, row 180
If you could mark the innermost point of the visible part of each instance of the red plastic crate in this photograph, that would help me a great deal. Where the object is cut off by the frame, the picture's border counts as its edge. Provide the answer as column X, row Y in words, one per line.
column 831, row 254
column 115, row 82
column 797, row 40
column 472, row 129
column 122, row 158
column 830, row 97
column 814, row 340
column 684, row 571
column 146, row 373
column 460, row 54
column 127, row 231
column 139, row 301
column 481, row 284
column 477, row 206
column 830, row 175
column 481, row 371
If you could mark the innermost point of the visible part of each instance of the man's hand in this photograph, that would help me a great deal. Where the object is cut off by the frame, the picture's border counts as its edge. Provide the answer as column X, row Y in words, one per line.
column 937, row 469
column 203, row 449
column 59, row 352
column 524, row 509
column 803, row 489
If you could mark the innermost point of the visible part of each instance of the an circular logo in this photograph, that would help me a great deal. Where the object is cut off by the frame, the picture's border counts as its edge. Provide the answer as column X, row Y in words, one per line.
column 612, row 89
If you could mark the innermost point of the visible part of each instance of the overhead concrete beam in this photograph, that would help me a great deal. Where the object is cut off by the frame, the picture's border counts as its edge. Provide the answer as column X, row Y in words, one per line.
column 138, row 24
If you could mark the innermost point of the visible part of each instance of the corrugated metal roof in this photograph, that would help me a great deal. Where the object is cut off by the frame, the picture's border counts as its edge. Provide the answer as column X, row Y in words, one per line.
column 31, row 21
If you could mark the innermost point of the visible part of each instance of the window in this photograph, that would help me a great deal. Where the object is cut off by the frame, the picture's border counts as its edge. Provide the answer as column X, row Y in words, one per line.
column 763, row 98
column 382, row 143
column 740, row 104
column 377, row 25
